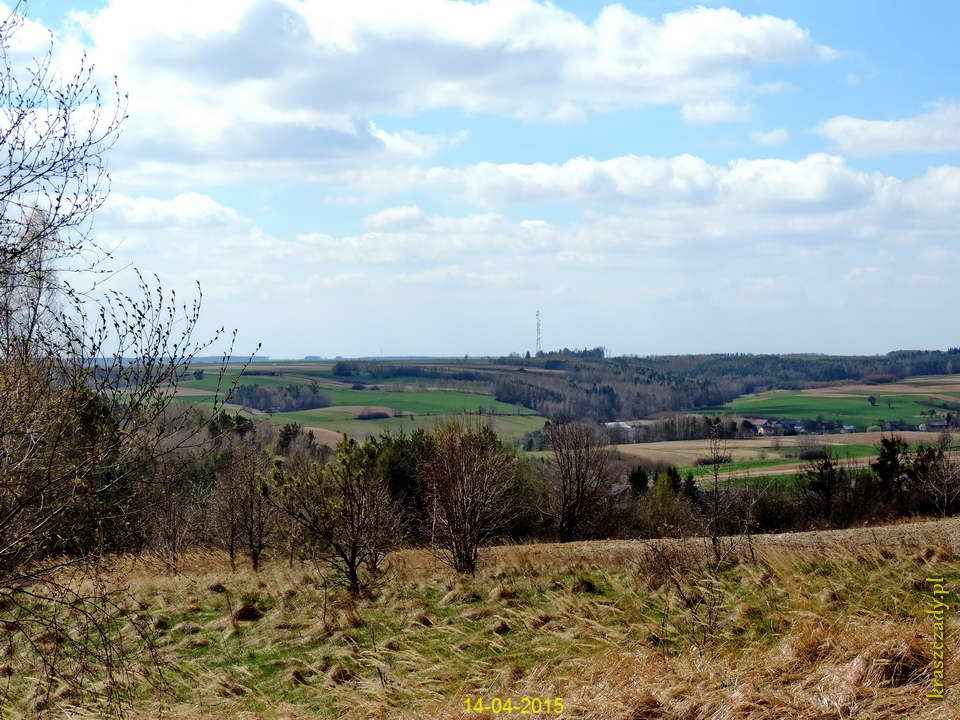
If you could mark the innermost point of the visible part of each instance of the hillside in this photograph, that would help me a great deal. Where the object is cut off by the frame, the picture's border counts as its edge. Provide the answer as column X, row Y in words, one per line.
column 910, row 403
column 585, row 385
column 357, row 409
column 601, row 625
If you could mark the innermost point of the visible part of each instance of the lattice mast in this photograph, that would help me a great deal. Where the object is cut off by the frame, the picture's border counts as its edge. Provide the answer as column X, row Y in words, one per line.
column 539, row 328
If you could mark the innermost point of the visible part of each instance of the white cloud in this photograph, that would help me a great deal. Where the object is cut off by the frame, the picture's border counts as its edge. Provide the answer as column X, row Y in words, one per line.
column 396, row 217
column 30, row 37
column 414, row 145
column 818, row 181
column 634, row 177
column 770, row 138
column 404, row 236
column 458, row 276
column 810, row 229
column 657, row 204
column 184, row 209
column 278, row 81
column 633, row 208
column 926, row 280
column 933, row 132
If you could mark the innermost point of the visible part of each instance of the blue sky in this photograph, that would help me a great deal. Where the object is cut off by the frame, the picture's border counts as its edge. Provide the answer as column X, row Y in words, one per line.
column 657, row 177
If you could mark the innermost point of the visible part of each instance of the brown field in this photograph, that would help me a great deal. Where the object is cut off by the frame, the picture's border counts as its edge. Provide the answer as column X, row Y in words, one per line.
column 686, row 452
column 942, row 387
column 788, row 468
column 191, row 392
column 330, row 438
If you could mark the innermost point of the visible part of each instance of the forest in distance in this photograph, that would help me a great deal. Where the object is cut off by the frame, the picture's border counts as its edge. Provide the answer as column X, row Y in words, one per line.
column 585, row 384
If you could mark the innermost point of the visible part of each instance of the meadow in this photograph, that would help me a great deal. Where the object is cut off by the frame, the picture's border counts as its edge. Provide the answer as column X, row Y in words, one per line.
column 780, row 460
column 848, row 409
column 606, row 627
column 343, row 420
column 685, row 453
column 408, row 407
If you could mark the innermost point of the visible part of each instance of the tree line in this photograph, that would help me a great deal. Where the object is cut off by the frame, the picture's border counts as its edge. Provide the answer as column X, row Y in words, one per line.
column 605, row 389
column 360, row 371
column 259, row 489
column 280, row 398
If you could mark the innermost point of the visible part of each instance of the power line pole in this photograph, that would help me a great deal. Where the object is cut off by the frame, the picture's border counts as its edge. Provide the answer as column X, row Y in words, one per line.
column 539, row 344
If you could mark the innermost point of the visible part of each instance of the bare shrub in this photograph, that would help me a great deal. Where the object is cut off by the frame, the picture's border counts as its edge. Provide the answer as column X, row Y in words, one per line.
column 717, row 508
column 579, row 480
column 173, row 519
column 689, row 569
column 936, row 474
column 809, row 448
column 87, row 382
column 709, row 460
column 372, row 415
column 239, row 520
column 469, row 477
column 89, row 440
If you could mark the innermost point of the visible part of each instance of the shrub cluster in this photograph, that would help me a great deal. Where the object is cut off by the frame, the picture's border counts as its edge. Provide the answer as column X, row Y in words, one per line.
column 280, row 398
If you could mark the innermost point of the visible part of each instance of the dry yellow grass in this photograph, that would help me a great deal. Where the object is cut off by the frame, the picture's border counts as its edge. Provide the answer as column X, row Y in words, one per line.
column 686, row 452
column 324, row 436
column 180, row 391
column 935, row 386
column 822, row 625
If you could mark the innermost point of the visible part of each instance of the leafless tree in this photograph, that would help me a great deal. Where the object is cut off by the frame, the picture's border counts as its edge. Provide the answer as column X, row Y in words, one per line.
column 720, row 501
column 937, row 472
column 54, row 135
column 469, row 476
column 258, row 515
column 173, row 515
column 579, row 480
column 88, row 428
column 87, row 384
column 345, row 514
column 229, row 506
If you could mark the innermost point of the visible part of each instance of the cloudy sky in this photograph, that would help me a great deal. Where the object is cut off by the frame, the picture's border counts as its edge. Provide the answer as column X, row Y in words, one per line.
column 367, row 177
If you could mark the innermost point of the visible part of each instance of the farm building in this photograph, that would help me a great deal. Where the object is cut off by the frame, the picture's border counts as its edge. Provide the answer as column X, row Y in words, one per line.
column 762, row 426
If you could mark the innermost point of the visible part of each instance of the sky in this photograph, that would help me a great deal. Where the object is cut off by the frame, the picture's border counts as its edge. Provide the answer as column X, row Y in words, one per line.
column 418, row 178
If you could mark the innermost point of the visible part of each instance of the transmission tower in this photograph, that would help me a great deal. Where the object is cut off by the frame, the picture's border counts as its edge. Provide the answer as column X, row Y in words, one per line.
column 539, row 345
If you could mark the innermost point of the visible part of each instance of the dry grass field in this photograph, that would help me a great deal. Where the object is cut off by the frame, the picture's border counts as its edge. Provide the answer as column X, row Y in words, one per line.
column 686, row 452
column 942, row 387
column 811, row 626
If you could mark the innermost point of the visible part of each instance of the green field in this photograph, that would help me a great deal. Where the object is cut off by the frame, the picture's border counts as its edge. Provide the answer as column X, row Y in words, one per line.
column 789, row 454
column 856, row 411
column 420, row 408
column 418, row 402
column 211, row 379
column 509, row 427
